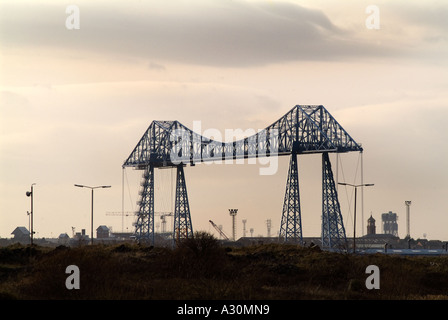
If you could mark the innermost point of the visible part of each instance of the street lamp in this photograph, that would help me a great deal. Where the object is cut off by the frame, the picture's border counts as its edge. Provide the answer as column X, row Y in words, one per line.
column 354, row 219
column 30, row 194
column 92, row 188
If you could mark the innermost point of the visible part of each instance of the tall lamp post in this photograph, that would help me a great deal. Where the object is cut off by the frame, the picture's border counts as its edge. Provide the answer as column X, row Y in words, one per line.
column 233, row 213
column 30, row 194
column 91, row 223
column 354, row 219
column 408, row 228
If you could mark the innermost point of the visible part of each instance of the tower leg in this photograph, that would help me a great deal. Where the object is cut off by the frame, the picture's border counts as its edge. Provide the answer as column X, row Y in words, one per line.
column 182, row 221
column 144, row 227
column 291, row 224
column 333, row 232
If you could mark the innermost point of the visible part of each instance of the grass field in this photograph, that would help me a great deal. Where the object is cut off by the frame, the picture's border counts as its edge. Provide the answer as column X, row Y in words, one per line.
column 201, row 269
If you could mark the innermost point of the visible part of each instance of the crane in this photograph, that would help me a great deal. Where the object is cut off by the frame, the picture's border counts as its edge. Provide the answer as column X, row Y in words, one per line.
column 122, row 214
column 163, row 216
column 219, row 230
column 132, row 213
column 128, row 213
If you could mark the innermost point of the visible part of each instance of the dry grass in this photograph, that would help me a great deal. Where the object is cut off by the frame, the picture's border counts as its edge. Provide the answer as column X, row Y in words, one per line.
column 201, row 269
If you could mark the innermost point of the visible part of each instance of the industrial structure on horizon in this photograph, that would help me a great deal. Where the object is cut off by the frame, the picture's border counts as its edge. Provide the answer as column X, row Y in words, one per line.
column 389, row 223
column 305, row 129
column 371, row 240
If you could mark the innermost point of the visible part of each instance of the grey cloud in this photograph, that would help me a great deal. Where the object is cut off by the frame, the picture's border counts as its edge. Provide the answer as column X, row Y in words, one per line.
column 220, row 33
column 425, row 13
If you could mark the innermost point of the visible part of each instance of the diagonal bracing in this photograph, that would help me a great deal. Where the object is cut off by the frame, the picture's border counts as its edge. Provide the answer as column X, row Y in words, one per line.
column 183, row 228
column 144, row 227
column 304, row 129
column 333, row 231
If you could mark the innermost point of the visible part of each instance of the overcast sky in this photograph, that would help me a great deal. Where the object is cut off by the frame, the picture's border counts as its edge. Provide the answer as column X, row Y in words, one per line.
column 74, row 103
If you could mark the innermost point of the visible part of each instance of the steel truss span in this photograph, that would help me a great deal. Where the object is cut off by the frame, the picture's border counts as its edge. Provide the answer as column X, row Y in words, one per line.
column 304, row 129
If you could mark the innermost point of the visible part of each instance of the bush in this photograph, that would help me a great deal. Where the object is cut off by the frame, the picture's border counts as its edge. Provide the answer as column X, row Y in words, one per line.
column 201, row 245
column 200, row 256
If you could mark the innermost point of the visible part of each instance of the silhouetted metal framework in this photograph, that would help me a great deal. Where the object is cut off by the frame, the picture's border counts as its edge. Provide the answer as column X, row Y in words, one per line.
column 183, row 228
column 333, row 231
column 291, row 226
column 144, row 227
column 304, row 129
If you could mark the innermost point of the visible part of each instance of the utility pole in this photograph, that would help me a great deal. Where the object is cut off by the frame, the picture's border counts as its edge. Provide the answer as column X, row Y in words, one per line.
column 31, row 194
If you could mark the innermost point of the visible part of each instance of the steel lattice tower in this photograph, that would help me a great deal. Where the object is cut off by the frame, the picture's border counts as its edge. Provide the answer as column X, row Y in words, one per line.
column 291, row 224
column 144, row 227
column 182, row 221
column 333, row 232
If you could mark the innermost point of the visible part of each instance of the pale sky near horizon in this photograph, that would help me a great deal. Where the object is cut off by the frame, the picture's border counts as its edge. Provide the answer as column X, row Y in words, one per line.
column 74, row 103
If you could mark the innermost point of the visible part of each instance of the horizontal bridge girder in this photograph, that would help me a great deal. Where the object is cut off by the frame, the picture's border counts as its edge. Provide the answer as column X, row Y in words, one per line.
column 304, row 129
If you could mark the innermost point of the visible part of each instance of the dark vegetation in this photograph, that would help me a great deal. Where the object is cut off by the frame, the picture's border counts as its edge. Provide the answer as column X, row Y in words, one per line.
column 201, row 269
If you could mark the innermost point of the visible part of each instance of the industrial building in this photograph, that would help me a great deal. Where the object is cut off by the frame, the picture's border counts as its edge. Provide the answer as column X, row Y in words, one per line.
column 390, row 225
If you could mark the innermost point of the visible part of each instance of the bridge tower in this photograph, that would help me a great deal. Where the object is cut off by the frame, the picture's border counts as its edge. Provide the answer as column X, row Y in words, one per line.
column 144, row 227
column 183, row 228
column 291, row 224
column 333, row 231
